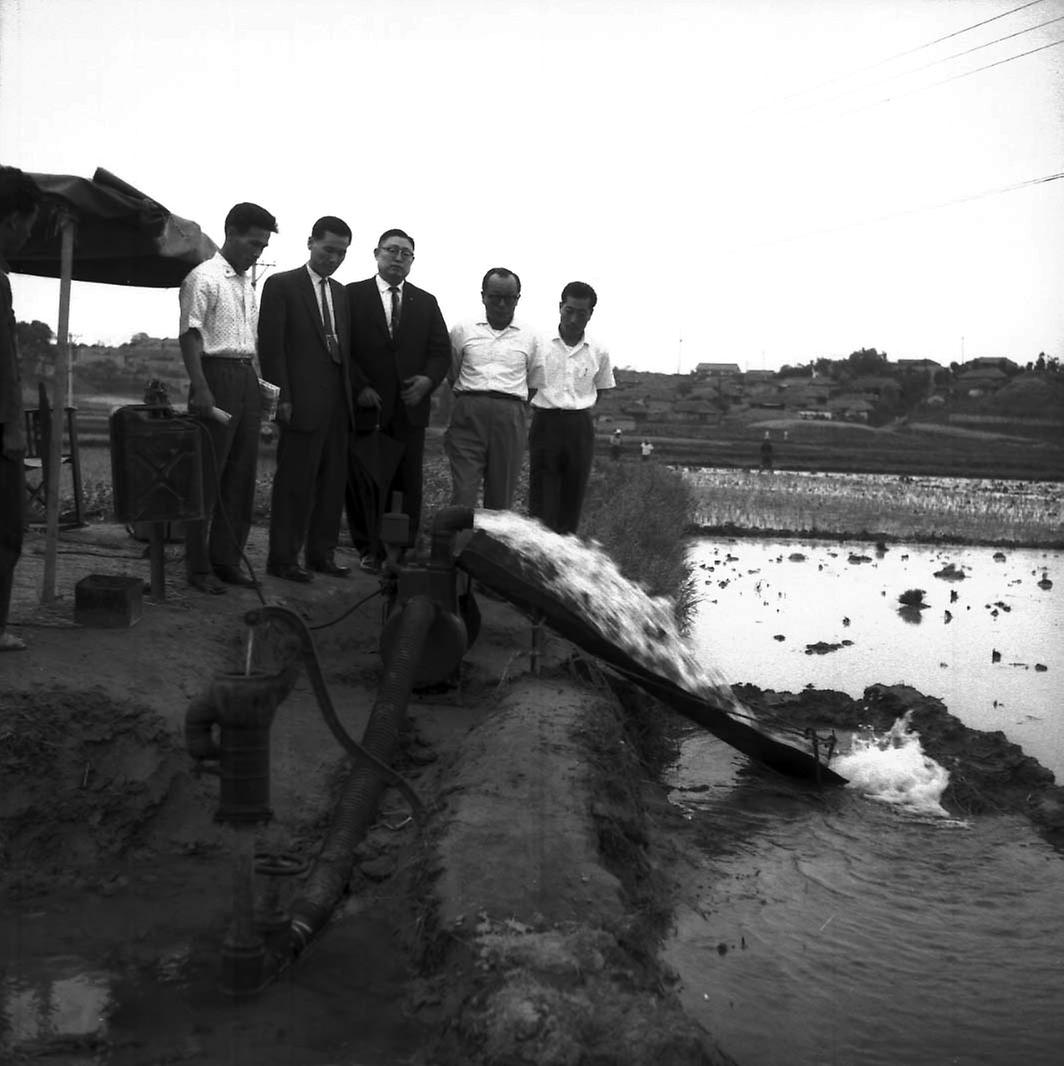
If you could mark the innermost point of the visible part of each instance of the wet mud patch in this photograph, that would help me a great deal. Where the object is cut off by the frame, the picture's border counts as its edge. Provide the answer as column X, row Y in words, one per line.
column 84, row 776
column 988, row 772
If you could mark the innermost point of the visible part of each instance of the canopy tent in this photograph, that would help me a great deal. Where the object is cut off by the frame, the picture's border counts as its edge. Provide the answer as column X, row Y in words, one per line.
column 102, row 230
column 123, row 236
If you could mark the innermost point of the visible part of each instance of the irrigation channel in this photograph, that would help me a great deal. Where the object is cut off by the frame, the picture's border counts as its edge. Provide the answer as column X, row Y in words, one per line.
column 840, row 927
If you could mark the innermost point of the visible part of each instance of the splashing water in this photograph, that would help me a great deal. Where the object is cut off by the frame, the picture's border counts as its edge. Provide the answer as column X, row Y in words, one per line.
column 894, row 769
column 585, row 577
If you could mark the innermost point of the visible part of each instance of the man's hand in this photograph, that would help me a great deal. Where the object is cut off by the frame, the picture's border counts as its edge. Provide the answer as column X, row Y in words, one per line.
column 284, row 413
column 415, row 389
column 201, row 402
column 369, row 397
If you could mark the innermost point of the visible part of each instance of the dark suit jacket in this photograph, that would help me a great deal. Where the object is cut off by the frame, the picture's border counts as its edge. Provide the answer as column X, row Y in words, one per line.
column 292, row 349
column 423, row 347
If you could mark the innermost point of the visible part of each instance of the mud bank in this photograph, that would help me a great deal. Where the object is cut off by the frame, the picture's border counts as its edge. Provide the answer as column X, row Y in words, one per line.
column 988, row 773
column 520, row 926
column 546, row 941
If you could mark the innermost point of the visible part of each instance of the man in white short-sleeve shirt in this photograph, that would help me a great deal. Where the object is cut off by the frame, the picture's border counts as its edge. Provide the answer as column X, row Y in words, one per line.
column 561, row 445
column 492, row 361
column 217, row 334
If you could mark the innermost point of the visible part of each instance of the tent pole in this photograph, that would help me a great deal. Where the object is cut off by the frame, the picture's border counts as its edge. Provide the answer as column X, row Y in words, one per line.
column 62, row 368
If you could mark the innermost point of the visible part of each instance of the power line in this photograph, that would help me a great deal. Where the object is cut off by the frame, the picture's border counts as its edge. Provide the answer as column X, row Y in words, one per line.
column 935, row 63
column 902, row 55
column 955, row 77
column 1000, row 190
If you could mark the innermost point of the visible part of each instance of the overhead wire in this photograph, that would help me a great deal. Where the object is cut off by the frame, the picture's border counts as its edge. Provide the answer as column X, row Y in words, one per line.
column 1044, row 180
column 955, row 77
column 903, row 54
column 935, row 63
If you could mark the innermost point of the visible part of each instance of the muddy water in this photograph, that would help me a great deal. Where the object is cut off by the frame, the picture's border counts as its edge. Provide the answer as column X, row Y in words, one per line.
column 864, row 926
column 834, row 929
column 979, row 645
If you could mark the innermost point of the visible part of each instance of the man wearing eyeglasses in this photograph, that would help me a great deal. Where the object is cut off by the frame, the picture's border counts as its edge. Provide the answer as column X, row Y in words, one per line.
column 493, row 360
column 399, row 353
column 562, row 443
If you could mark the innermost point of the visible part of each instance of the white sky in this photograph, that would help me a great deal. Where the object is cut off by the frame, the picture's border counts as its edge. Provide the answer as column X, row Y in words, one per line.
column 726, row 174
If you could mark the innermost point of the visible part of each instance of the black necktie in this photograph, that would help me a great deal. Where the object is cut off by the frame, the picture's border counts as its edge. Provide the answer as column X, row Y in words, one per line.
column 330, row 337
column 394, row 328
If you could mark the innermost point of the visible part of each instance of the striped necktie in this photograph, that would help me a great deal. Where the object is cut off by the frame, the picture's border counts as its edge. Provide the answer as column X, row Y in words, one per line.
column 330, row 337
column 394, row 326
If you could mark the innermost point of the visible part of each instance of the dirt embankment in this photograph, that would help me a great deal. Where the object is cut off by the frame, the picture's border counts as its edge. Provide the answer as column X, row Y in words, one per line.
column 519, row 927
column 988, row 773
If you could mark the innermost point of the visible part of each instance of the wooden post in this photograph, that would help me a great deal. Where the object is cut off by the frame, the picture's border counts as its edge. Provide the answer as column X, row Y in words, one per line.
column 62, row 366
column 158, row 564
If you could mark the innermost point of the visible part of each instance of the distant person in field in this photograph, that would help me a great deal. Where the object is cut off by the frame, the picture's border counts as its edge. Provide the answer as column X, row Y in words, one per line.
column 217, row 334
column 573, row 372
column 766, row 452
column 493, row 359
column 646, row 450
column 305, row 349
column 616, row 444
column 20, row 201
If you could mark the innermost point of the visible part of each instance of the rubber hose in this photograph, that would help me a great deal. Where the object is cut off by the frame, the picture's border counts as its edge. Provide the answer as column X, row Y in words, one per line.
column 325, row 704
column 328, row 878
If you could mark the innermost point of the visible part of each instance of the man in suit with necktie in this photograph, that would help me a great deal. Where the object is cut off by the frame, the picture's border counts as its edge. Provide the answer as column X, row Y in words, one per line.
column 304, row 349
column 400, row 352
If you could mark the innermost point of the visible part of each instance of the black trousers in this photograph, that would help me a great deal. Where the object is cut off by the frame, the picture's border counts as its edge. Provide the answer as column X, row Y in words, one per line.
column 307, row 501
column 230, row 462
column 12, row 521
column 367, row 501
column 561, row 446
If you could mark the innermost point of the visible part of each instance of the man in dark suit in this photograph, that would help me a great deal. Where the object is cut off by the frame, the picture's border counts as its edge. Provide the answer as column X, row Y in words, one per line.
column 400, row 352
column 304, row 349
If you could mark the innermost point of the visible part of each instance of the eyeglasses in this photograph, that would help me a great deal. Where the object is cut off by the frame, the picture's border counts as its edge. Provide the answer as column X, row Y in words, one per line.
column 502, row 297
column 399, row 253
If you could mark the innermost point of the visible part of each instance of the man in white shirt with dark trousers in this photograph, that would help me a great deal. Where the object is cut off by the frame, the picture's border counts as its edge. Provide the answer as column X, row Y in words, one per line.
column 562, row 442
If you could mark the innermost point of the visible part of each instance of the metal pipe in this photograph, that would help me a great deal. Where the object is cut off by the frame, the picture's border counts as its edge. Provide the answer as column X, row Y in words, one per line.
column 447, row 522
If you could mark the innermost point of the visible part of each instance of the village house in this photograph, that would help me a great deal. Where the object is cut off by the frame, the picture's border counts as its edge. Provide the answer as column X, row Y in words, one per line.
column 694, row 410
column 850, row 408
column 979, row 381
column 726, row 371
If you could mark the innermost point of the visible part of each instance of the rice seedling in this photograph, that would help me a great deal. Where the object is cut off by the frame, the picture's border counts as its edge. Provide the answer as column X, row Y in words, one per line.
column 876, row 505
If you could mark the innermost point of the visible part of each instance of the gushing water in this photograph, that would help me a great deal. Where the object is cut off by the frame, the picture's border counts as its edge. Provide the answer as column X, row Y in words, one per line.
column 585, row 577
column 894, row 769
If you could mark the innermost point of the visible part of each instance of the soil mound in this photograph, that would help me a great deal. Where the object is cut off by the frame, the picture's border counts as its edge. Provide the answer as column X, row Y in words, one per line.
column 83, row 776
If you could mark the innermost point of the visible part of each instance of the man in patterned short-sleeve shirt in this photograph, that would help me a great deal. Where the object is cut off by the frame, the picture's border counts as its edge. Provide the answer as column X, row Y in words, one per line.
column 219, row 324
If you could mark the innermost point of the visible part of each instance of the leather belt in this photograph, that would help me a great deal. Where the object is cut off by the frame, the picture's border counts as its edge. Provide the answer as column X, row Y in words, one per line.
column 492, row 394
column 245, row 360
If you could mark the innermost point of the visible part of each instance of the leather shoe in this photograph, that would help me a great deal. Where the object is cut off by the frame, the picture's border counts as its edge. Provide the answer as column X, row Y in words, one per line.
column 330, row 567
column 291, row 572
column 233, row 575
column 207, row 583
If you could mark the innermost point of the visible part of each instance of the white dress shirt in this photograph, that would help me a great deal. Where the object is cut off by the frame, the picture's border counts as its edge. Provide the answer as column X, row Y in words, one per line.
column 220, row 304
column 385, row 289
column 317, row 279
column 493, row 360
column 572, row 375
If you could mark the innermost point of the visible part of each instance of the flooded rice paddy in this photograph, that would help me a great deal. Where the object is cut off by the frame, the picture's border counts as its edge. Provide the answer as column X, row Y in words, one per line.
column 864, row 925
column 988, row 640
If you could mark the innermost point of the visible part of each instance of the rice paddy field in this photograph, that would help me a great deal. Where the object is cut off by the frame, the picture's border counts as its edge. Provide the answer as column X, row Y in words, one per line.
column 879, row 506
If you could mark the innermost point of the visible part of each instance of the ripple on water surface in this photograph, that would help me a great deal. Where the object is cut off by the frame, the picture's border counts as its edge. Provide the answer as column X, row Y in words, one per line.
column 829, row 928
